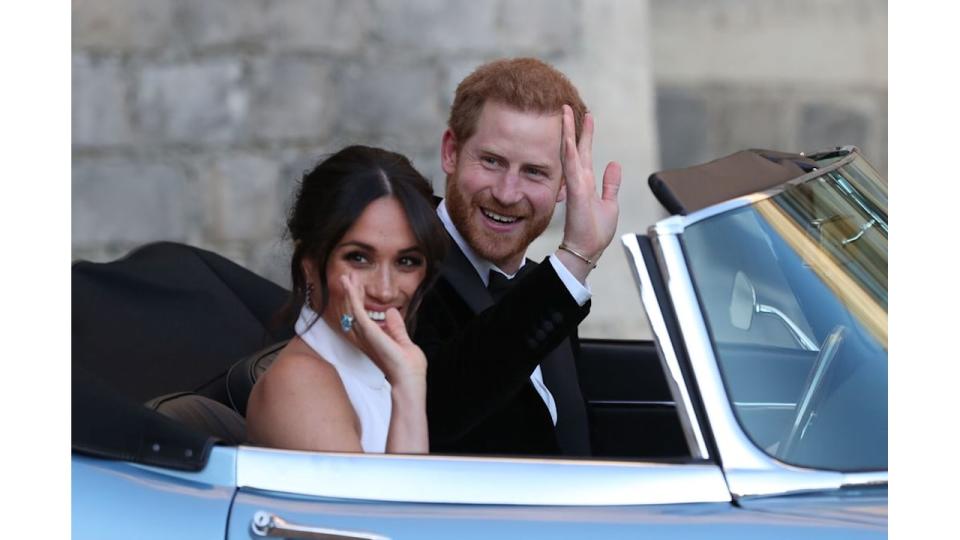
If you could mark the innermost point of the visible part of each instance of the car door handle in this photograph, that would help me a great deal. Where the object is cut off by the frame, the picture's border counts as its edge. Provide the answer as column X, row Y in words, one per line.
column 265, row 524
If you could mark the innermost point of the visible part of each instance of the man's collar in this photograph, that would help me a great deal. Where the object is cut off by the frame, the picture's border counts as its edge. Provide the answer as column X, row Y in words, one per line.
column 482, row 266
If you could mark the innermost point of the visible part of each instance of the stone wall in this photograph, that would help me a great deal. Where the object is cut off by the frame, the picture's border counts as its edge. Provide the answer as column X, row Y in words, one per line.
column 193, row 119
column 782, row 74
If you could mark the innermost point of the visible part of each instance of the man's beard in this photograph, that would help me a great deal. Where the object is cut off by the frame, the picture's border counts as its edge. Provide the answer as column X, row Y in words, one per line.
column 500, row 249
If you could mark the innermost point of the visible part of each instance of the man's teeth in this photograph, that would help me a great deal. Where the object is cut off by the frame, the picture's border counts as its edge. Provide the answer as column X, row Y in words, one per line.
column 377, row 315
column 498, row 217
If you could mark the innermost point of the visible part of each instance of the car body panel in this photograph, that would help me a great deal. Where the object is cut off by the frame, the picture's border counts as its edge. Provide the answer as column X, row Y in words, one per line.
column 400, row 521
column 471, row 480
column 862, row 507
column 118, row 499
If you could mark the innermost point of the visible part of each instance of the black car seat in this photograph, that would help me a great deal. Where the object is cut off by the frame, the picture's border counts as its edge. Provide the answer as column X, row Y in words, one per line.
column 244, row 374
column 203, row 415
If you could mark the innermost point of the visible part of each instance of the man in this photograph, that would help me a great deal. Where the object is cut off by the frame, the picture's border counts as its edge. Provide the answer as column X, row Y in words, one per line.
column 518, row 142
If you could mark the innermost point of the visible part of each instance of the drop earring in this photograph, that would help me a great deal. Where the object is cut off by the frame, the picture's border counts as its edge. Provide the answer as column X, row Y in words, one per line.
column 308, row 296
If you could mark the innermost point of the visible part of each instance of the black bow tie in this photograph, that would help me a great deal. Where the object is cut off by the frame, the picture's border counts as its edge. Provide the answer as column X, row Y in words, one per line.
column 499, row 284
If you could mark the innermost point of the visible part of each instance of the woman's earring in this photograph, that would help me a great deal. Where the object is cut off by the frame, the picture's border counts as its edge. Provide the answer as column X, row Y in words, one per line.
column 308, row 297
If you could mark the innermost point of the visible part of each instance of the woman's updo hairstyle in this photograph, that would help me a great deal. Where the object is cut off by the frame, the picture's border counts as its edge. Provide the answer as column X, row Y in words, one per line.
column 331, row 198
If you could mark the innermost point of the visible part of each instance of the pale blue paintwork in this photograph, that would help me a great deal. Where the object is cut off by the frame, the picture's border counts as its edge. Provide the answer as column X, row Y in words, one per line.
column 781, row 519
column 121, row 500
column 116, row 499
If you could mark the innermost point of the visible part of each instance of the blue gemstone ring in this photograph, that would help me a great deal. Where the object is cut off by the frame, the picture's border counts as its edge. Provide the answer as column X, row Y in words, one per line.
column 346, row 322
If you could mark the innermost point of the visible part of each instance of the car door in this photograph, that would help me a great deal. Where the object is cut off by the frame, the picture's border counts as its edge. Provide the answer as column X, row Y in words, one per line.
column 308, row 495
column 630, row 409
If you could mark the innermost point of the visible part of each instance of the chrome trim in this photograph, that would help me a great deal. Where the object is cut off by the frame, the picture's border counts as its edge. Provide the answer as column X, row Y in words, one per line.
column 677, row 224
column 872, row 478
column 802, row 338
column 749, row 471
column 860, row 233
column 665, row 349
column 631, row 402
column 764, row 405
column 470, row 480
column 265, row 524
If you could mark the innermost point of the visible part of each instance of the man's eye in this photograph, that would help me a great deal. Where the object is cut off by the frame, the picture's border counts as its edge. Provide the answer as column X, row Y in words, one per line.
column 535, row 172
column 491, row 161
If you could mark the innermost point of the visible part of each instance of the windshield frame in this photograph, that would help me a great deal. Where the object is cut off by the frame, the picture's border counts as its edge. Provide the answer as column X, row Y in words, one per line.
column 750, row 470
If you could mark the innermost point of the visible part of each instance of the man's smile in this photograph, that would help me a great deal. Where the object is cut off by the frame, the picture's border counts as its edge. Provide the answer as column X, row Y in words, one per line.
column 499, row 218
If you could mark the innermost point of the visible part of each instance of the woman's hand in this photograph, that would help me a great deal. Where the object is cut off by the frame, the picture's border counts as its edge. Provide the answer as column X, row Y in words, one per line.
column 401, row 361
column 403, row 364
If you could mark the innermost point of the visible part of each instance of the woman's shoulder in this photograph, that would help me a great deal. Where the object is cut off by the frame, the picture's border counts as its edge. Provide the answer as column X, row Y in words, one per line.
column 298, row 364
column 300, row 400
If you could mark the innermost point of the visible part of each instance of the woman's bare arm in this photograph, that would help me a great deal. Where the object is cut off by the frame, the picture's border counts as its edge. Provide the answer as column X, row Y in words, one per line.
column 300, row 404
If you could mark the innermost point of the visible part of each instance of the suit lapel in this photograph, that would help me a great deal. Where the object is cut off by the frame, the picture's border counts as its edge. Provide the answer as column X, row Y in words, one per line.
column 458, row 271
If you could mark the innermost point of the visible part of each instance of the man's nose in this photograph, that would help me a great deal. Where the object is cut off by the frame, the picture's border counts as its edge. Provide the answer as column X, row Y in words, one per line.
column 382, row 286
column 506, row 190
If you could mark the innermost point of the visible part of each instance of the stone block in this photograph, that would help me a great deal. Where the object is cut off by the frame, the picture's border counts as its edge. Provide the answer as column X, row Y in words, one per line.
column 453, row 71
column 271, row 259
column 826, row 125
column 241, row 200
column 195, row 103
column 324, row 26
column 222, row 23
column 122, row 25
column 391, row 102
column 757, row 41
column 291, row 98
column 121, row 201
column 100, row 111
column 294, row 164
column 682, row 125
column 437, row 27
column 539, row 27
column 744, row 119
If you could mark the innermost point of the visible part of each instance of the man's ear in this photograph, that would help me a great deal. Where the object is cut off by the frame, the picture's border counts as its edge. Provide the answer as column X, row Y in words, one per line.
column 562, row 194
column 448, row 152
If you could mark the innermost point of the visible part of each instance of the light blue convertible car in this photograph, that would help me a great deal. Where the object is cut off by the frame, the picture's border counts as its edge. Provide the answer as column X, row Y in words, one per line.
column 759, row 411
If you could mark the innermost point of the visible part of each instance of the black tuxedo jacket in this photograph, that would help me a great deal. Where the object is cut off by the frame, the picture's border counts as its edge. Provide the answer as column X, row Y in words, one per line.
column 480, row 356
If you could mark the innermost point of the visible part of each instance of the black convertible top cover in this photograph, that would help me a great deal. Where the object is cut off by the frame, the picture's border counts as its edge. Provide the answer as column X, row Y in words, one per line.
column 168, row 318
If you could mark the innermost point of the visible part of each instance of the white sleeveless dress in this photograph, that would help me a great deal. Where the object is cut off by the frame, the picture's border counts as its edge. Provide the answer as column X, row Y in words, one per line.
column 366, row 386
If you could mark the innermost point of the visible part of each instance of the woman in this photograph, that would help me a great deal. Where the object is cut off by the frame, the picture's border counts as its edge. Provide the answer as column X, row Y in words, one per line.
column 367, row 242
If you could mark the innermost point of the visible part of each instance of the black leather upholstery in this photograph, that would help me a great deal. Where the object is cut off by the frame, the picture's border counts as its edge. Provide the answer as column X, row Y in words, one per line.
column 203, row 415
column 244, row 374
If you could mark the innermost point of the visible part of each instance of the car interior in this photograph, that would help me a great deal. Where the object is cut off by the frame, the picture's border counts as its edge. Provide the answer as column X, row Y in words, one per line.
column 186, row 332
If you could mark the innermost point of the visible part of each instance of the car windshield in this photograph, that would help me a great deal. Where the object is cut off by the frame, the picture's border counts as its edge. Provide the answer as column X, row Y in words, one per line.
column 794, row 292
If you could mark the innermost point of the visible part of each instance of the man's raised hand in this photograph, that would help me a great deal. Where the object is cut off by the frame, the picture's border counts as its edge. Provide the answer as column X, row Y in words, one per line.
column 591, row 220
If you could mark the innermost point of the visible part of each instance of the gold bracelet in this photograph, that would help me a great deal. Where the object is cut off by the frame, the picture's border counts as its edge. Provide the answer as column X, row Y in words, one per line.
column 577, row 255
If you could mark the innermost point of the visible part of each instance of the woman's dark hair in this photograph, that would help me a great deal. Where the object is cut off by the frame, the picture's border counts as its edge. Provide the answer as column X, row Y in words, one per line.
column 331, row 198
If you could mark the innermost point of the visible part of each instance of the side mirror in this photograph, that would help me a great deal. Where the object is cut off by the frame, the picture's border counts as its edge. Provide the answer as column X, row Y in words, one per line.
column 743, row 302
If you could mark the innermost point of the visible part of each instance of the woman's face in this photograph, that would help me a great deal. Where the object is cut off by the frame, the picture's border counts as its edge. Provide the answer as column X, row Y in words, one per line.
column 382, row 252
